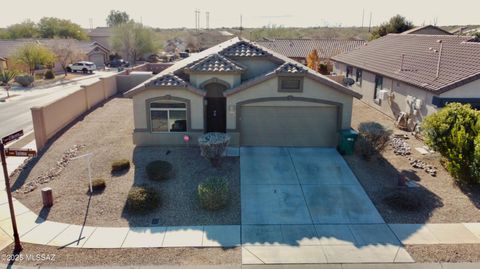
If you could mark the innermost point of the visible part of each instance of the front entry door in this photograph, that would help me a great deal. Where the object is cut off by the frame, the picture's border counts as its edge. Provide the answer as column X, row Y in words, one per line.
column 216, row 114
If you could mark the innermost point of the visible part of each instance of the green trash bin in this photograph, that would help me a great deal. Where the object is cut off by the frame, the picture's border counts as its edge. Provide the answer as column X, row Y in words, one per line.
column 347, row 141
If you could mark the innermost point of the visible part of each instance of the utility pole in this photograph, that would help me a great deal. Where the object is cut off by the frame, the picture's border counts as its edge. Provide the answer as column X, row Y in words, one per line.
column 363, row 17
column 241, row 25
column 207, row 15
column 370, row 23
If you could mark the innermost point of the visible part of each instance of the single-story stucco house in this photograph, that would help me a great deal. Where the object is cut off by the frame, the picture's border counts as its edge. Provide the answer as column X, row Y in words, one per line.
column 427, row 30
column 257, row 96
column 409, row 76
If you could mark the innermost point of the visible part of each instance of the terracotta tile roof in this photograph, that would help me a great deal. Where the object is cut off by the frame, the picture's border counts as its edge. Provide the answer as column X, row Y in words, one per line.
column 215, row 63
column 167, row 80
column 9, row 47
column 244, row 49
column 101, row 32
column 459, row 60
column 290, row 68
column 300, row 48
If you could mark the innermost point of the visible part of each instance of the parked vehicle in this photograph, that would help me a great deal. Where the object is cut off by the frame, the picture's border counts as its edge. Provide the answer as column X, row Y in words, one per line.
column 118, row 63
column 83, row 66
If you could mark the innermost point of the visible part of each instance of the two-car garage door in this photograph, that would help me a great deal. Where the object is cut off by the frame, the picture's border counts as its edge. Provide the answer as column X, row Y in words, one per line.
column 297, row 126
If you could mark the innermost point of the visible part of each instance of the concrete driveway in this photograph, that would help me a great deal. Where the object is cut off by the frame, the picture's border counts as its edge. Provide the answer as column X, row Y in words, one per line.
column 301, row 186
column 304, row 205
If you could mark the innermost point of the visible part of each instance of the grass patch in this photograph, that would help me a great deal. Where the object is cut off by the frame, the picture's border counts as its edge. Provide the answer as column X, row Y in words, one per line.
column 213, row 193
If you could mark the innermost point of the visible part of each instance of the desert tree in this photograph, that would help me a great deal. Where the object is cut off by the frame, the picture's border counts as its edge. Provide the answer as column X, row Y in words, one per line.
column 66, row 53
column 117, row 17
column 132, row 40
column 5, row 77
column 33, row 55
column 313, row 61
column 396, row 24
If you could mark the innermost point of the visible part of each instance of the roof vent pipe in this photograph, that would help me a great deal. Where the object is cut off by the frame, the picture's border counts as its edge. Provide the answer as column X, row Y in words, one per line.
column 439, row 58
column 403, row 59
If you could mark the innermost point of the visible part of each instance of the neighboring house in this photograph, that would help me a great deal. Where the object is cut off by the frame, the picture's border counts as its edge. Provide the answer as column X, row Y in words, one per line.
column 259, row 97
column 427, row 30
column 101, row 35
column 414, row 74
column 93, row 51
column 298, row 49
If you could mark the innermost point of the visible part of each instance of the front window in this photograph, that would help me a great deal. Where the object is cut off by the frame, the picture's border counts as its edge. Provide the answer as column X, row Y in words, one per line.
column 358, row 77
column 378, row 86
column 168, row 117
column 349, row 71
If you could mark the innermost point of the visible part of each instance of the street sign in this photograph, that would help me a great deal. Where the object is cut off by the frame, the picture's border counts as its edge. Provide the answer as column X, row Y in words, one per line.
column 20, row 153
column 9, row 138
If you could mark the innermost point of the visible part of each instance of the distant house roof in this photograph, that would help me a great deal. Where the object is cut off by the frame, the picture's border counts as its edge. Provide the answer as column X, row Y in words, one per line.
column 215, row 63
column 101, row 32
column 300, row 48
column 427, row 30
column 236, row 47
column 9, row 47
column 459, row 60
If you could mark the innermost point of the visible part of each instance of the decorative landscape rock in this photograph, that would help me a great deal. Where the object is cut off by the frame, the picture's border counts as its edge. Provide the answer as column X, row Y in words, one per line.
column 401, row 147
column 213, row 146
column 53, row 172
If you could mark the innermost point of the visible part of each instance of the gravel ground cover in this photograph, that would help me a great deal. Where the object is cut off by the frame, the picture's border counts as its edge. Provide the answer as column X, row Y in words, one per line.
column 107, row 133
column 124, row 257
column 444, row 253
column 442, row 200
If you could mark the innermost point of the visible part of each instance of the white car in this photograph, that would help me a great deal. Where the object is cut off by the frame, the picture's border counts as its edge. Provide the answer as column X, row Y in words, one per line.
column 83, row 66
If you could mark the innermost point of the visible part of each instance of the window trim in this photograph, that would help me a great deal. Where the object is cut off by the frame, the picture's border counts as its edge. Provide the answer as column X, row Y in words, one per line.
column 281, row 79
column 172, row 99
column 168, row 115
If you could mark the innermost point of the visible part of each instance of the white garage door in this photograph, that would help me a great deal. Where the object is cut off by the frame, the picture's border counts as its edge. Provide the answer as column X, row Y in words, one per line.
column 306, row 126
column 98, row 60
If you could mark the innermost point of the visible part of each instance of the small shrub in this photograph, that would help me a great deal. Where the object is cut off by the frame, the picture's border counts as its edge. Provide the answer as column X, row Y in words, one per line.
column 213, row 193
column 454, row 131
column 120, row 165
column 49, row 74
column 323, row 69
column 159, row 170
column 24, row 80
column 373, row 138
column 98, row 184
column 404, row 200
column 213, row 146
column 142, row 199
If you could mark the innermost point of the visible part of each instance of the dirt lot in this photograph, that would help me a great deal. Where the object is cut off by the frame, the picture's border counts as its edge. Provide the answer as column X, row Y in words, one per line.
column 106, row 132
column 124, row 257
column 442, row 199
column 444, row 253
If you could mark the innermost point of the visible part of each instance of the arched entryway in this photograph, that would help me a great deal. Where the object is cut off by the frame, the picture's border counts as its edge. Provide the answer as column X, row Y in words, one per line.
column 215, row 107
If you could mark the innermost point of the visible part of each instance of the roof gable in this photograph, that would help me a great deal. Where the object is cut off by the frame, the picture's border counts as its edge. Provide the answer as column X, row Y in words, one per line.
column 290, row 68
column 167, row 80
column 244, row 49
column 215, row 63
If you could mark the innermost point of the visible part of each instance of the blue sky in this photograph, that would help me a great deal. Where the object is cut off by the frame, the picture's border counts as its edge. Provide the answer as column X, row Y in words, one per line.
column 256, row 13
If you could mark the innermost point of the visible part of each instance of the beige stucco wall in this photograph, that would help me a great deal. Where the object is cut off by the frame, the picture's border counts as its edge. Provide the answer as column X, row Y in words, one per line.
column 269, row 88
column 140, row 109
column 469, row 90
column 256, row 66
column 400, row 91
column 232, row 79
column 127, row 82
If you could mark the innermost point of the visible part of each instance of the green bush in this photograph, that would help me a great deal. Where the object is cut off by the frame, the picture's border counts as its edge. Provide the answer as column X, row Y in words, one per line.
column 323, row 69
column 49, row 74
column 142, row 200
column 120, row 165
column 373, row 138
column 98, row 184
column 213, row 193
column 159, row 170
column 454, row 131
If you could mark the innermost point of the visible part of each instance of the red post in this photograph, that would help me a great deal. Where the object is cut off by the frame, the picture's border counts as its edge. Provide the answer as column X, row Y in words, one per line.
column 18, row 246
